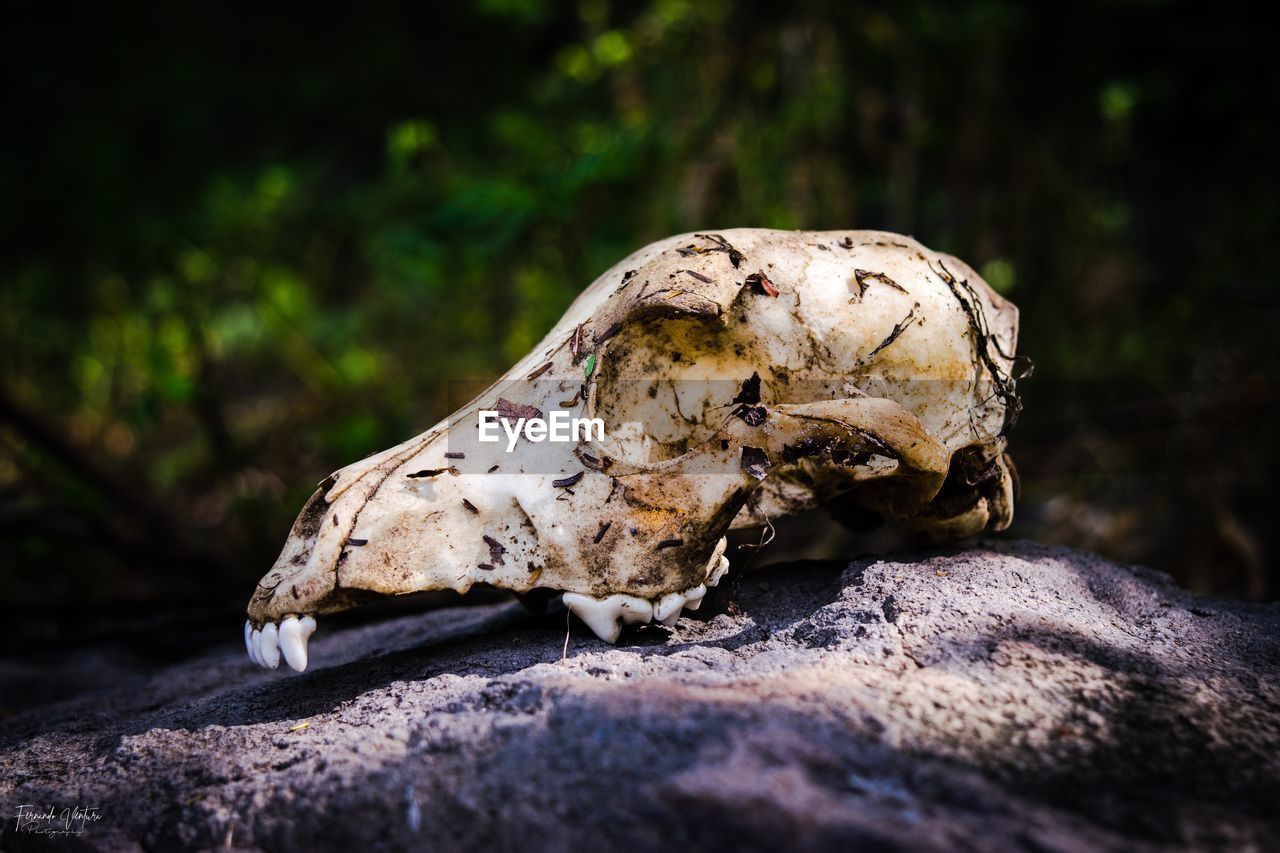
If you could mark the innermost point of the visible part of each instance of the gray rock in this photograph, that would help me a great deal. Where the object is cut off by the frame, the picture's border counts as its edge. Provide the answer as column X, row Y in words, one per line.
column 1005, row 697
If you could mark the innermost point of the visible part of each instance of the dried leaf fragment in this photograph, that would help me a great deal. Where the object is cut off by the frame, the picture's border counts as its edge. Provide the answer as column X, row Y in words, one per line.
column 566, row 482
column 495, row 550
column 863, row 278
column 760, row 283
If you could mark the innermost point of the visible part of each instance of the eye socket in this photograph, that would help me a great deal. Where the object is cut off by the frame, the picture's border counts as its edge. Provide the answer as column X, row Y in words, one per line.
column 974, row 470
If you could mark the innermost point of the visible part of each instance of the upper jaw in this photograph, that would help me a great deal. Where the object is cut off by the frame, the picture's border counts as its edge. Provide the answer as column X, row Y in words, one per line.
column 270, row 642
column 385, row 530
column 302, row 581
column 283, row 607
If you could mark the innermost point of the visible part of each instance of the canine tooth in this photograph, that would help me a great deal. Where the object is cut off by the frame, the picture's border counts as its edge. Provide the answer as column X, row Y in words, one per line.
column 693, row 597
column 667, row 610
column 602, row 615
column 255, row 647
column 293, row 643
column 248, row 638
column 270, row 650
column 308, row 627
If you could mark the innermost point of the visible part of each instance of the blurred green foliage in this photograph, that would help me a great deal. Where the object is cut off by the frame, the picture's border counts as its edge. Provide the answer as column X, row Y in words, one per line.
column 240, row 251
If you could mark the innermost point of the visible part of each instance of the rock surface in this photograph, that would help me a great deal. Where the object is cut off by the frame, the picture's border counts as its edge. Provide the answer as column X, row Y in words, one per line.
column 1007, row 696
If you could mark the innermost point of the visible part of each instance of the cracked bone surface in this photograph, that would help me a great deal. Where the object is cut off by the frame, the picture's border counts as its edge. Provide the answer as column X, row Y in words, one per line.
column 740, row 376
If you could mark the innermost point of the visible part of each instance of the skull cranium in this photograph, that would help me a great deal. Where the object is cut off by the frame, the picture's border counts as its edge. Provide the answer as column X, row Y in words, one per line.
column 740, row 376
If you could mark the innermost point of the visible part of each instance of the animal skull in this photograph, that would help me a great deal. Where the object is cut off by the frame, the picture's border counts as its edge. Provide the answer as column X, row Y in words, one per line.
column 740, row 376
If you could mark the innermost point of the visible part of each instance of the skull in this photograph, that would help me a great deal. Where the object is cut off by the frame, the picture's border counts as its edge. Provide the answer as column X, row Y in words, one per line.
column 738, row 376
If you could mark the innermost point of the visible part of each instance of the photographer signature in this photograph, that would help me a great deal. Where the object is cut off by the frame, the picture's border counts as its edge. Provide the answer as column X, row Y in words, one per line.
column 48, row 820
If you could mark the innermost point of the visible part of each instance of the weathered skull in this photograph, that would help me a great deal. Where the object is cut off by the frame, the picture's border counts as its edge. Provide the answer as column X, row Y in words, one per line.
column 739, row 376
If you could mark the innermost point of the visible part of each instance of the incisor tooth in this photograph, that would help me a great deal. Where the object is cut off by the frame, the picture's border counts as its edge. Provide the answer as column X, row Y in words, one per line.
column 293, row 644
column 667, row 610
column 255, row 647
column 270, row 650
column 248, row 638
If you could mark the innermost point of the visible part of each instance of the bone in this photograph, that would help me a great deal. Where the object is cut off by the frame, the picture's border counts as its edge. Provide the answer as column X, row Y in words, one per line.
column 641, row 509
column 270, row 649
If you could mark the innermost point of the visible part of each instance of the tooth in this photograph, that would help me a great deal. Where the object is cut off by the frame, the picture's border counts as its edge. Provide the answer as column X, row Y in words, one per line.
column 270, row 646
column 293, row 643
column 307, row 627
column 667, row 610
column 634, row 611
column 255, row 647
column 693, row 597
column 718, row 564
column 248, row 638
column 714, row 576
column 605, row 616
column 602, row 616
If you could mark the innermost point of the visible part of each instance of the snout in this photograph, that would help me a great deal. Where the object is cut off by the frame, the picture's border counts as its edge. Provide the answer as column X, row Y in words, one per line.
column 303, row 580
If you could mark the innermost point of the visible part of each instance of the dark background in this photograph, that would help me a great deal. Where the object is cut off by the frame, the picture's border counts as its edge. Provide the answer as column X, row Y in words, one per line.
column 245, row 249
